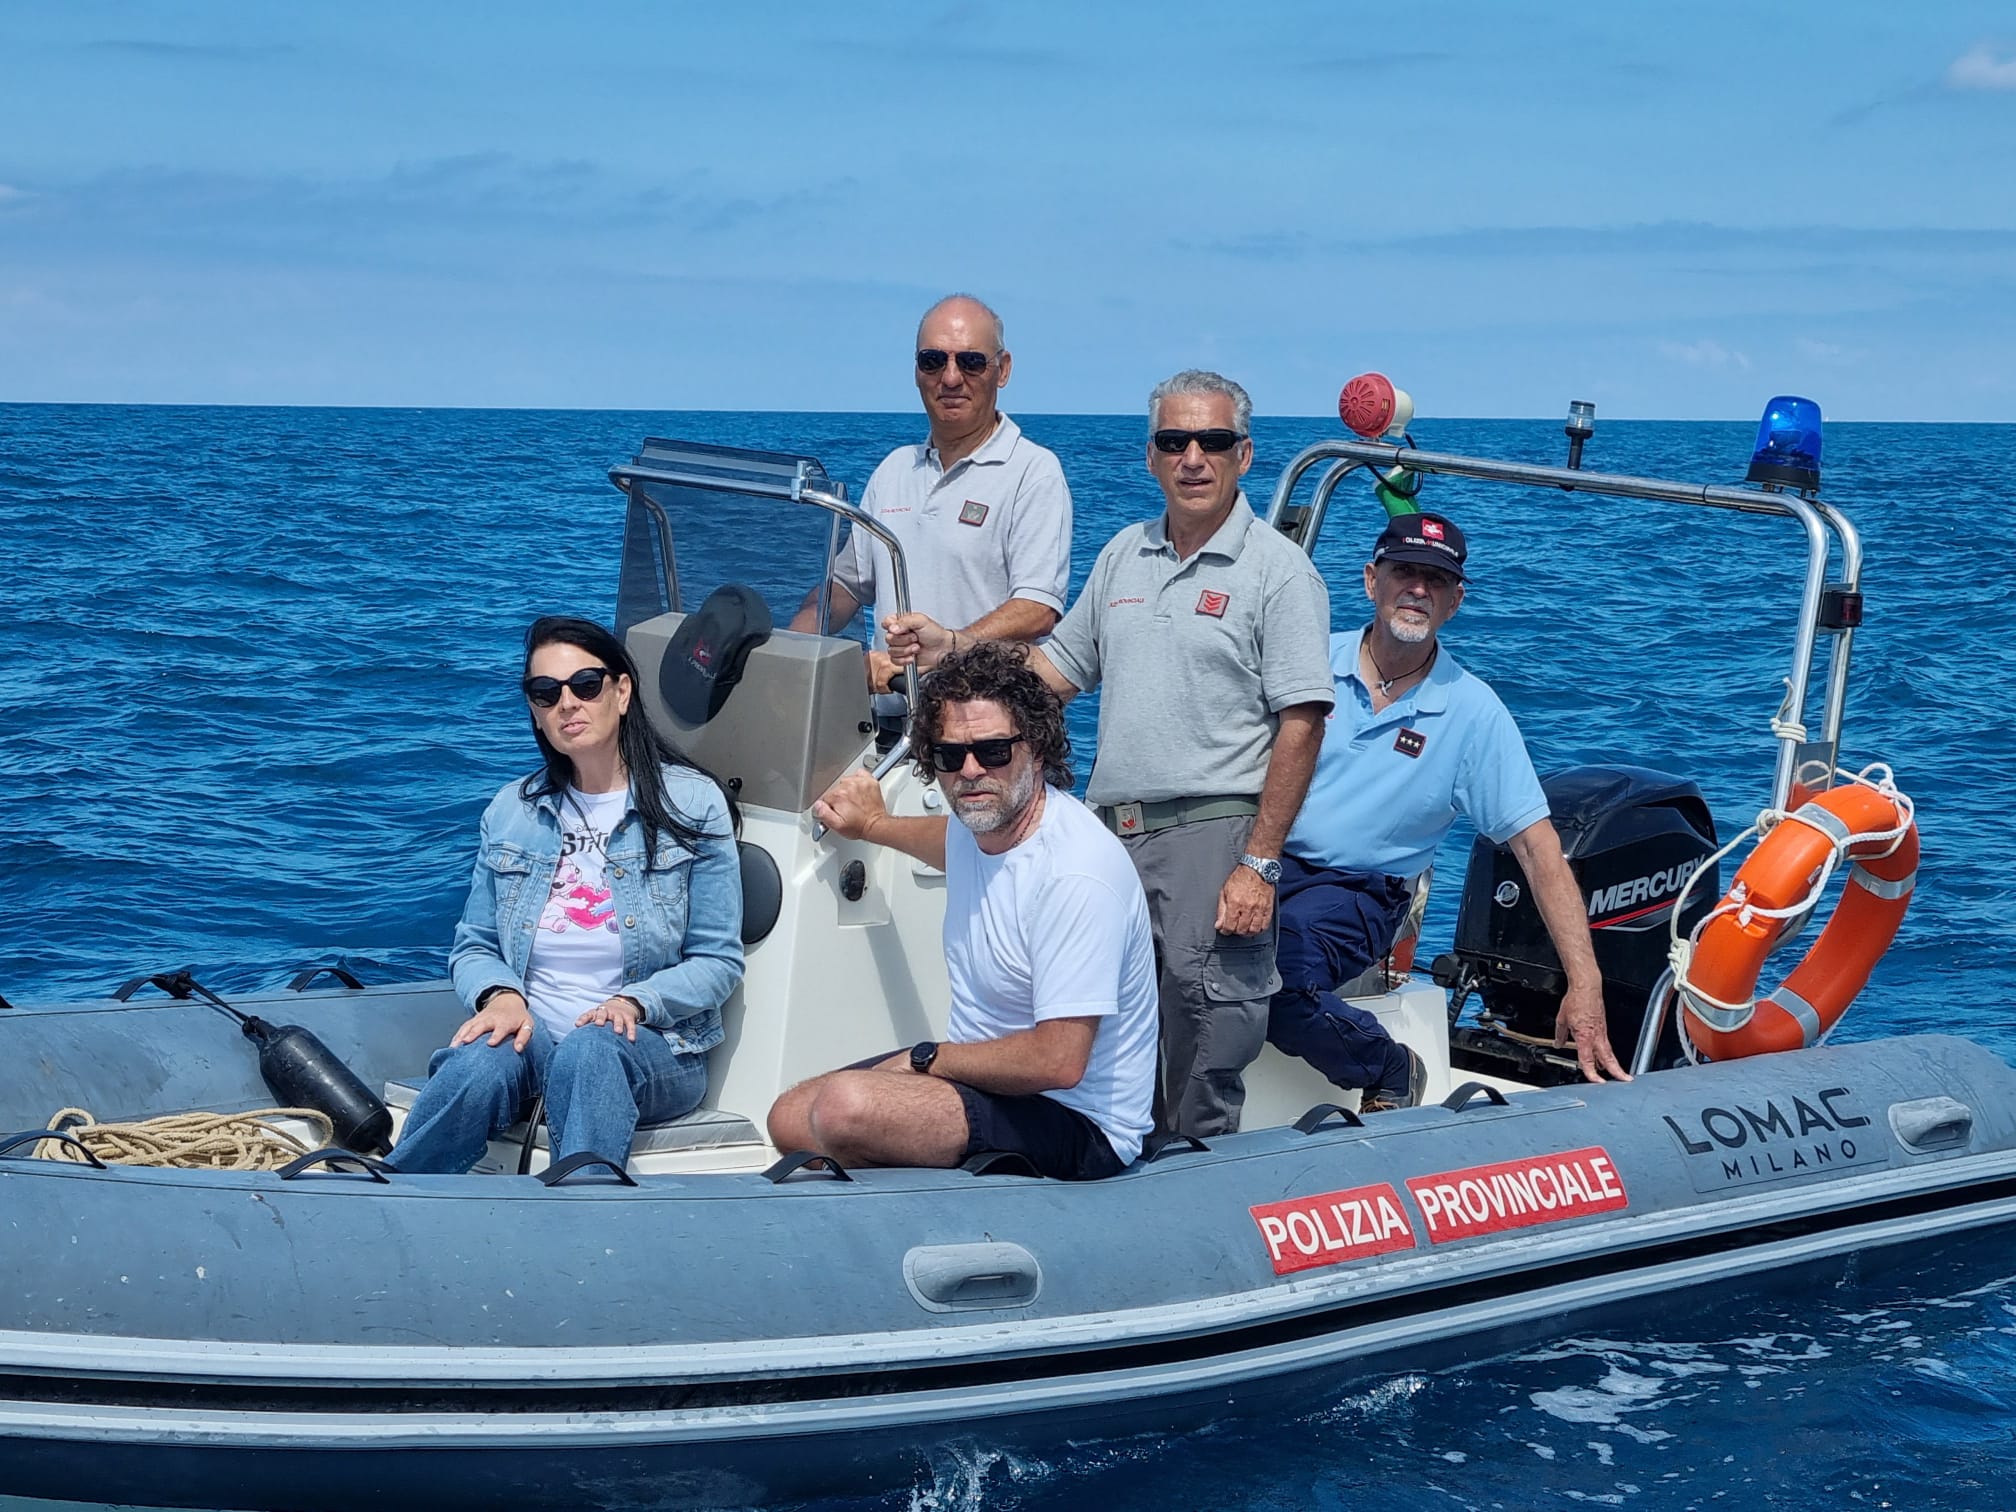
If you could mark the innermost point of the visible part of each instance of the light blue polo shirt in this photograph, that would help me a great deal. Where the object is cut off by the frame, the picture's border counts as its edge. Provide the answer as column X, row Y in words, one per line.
column 1389, row 785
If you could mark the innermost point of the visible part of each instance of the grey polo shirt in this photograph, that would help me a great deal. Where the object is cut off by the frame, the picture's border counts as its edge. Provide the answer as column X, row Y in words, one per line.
column 994, row 526
column 1198, row 658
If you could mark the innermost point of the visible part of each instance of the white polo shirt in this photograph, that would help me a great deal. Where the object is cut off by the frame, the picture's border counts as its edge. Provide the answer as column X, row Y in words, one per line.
column 994, row 526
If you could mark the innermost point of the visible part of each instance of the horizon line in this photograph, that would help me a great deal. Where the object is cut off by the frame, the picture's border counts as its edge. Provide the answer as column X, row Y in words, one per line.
column 1131, row 414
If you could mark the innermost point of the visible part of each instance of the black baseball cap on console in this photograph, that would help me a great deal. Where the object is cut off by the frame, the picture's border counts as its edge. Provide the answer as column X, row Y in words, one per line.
column 1428, row 540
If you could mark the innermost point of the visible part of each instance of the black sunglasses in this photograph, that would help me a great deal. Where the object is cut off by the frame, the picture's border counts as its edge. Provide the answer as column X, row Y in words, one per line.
column 1175, row 442
column 949, row 756
column 933, row 360
column 587, row 685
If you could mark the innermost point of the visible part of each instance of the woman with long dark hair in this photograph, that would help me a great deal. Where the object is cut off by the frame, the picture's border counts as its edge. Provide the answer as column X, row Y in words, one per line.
column 603, row 928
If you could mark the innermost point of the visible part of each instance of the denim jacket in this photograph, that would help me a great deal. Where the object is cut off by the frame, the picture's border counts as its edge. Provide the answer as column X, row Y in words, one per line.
column 679, row 911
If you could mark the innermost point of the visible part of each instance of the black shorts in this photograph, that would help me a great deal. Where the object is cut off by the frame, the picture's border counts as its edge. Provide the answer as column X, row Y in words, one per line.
column 1060, row 1142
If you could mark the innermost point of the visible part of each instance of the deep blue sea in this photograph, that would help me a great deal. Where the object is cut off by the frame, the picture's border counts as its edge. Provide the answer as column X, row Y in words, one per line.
column 257, row 679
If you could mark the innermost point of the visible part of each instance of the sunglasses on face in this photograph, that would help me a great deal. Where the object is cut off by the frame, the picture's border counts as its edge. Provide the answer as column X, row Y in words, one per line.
column 586, row 685
column 933, row 360
column 949, row 756
column 1175, row 442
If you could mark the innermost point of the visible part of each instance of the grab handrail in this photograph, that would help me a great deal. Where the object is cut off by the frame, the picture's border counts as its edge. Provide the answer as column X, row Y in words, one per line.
column 1819, row 520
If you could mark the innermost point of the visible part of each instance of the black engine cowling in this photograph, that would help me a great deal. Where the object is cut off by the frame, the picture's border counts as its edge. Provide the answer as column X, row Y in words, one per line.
column 1633, row 837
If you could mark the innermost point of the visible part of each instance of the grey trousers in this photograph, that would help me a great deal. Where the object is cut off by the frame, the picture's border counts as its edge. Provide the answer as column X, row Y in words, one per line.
column 1214, row 987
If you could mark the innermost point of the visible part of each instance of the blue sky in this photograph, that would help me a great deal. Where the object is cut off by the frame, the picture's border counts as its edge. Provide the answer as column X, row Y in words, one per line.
column 1674, row 210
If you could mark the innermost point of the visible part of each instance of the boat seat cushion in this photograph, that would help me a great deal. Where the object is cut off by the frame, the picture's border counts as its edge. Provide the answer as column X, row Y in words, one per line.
column 700, row 1129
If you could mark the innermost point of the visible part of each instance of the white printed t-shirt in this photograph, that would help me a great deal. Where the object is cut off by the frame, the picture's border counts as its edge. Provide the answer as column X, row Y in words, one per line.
column 577, row 954
column 1058, row 928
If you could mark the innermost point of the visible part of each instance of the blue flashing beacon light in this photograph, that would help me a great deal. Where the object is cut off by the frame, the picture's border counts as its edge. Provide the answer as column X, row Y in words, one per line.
column 1788, row 445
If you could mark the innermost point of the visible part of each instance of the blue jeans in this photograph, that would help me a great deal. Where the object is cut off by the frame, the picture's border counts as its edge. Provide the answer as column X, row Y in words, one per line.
column 598, row 1086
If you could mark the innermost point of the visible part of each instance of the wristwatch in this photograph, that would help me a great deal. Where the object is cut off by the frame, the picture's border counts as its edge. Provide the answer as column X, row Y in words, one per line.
column 1270, row 870
column 922, row 1054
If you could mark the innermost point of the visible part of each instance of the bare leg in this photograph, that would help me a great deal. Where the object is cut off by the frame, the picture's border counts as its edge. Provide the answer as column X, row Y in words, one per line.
column 873, row 1118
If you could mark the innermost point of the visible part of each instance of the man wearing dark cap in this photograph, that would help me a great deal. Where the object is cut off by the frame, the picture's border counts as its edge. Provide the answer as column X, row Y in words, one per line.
column 1413, row 741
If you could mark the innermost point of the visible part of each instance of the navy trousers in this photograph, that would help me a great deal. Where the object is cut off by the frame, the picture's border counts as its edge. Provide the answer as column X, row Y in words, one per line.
column 1334, row 924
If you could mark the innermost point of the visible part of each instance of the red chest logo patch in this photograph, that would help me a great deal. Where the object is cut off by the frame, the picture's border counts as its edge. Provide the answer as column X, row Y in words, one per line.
column 1213, row 603
column 974, row 513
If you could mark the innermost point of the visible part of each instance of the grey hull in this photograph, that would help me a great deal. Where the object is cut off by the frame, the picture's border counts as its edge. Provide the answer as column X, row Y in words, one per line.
column 636, row 1459
column 220, row 1339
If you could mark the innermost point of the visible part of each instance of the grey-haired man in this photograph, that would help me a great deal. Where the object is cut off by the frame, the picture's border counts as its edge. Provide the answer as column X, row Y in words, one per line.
column 981, row 511
column 1208, row 633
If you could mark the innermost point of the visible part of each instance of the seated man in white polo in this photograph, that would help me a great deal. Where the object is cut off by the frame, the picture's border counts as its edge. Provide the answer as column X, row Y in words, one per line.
column 1051, row 1049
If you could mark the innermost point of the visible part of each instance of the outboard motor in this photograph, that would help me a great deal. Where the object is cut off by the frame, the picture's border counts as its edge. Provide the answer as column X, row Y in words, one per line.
column 1633, row 837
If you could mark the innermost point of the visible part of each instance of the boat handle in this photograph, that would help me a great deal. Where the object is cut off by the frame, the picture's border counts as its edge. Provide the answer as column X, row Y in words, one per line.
column 11, row 1142
column 805, row 1160
column 1155, row 1146
column 1468, row 1093
column 1000, row 1163
column 944, row 1278
column 340, row 1162
column 303, row 978
column 177, row 984
column 557, row 1173
column 1319, row 1115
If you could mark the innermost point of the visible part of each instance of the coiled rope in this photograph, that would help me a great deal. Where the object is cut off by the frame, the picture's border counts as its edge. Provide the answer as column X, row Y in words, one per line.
column 198, row 1141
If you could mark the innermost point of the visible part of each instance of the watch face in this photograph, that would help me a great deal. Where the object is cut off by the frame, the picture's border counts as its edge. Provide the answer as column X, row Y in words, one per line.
column 921, row 1056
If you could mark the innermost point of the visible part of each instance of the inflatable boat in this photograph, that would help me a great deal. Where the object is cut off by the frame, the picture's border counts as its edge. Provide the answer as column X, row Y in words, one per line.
column 723, row 1323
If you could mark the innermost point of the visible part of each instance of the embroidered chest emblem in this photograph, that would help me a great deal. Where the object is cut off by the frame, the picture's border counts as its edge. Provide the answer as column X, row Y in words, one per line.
column 1213, row 603
column 1410, row 742
column 973, row 513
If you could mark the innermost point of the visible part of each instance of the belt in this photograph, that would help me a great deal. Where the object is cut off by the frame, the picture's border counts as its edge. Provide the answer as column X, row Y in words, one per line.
column 1130, row 819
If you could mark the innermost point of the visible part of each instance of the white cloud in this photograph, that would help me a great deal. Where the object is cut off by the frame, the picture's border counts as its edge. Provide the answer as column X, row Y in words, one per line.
column 1980, row 67
column 1704, row 353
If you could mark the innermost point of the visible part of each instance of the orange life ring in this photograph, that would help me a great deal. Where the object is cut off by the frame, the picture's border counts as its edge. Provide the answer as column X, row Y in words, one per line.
column 1779, row 874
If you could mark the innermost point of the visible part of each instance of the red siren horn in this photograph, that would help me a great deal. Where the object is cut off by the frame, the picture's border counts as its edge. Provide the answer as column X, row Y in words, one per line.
column 1371, row 407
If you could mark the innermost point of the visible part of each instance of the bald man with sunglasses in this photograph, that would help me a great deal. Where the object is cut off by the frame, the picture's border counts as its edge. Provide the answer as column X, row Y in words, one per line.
column 1208, row 633
column 982, row 512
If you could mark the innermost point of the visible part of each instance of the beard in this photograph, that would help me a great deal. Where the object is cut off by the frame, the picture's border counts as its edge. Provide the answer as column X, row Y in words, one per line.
column 1004, row 805
column 1406, row 631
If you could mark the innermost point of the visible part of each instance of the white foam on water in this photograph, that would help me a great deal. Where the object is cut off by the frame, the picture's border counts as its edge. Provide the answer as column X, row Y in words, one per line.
column 1934, row 1368
column 960, row 1476
column 1782, row 1347
column 1642, row 1435
column 1617, row 1393
column 1380, row 1399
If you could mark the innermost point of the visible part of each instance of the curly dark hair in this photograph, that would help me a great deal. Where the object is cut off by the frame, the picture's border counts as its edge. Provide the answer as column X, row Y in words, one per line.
column 998, row 671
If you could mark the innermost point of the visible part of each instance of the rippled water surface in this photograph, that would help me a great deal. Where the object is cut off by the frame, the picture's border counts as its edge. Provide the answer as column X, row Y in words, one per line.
column 259, row 681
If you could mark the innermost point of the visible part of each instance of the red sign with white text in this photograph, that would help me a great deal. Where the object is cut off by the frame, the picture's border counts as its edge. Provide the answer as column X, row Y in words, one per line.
column 1511, row 1194
column 1305, row 1232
